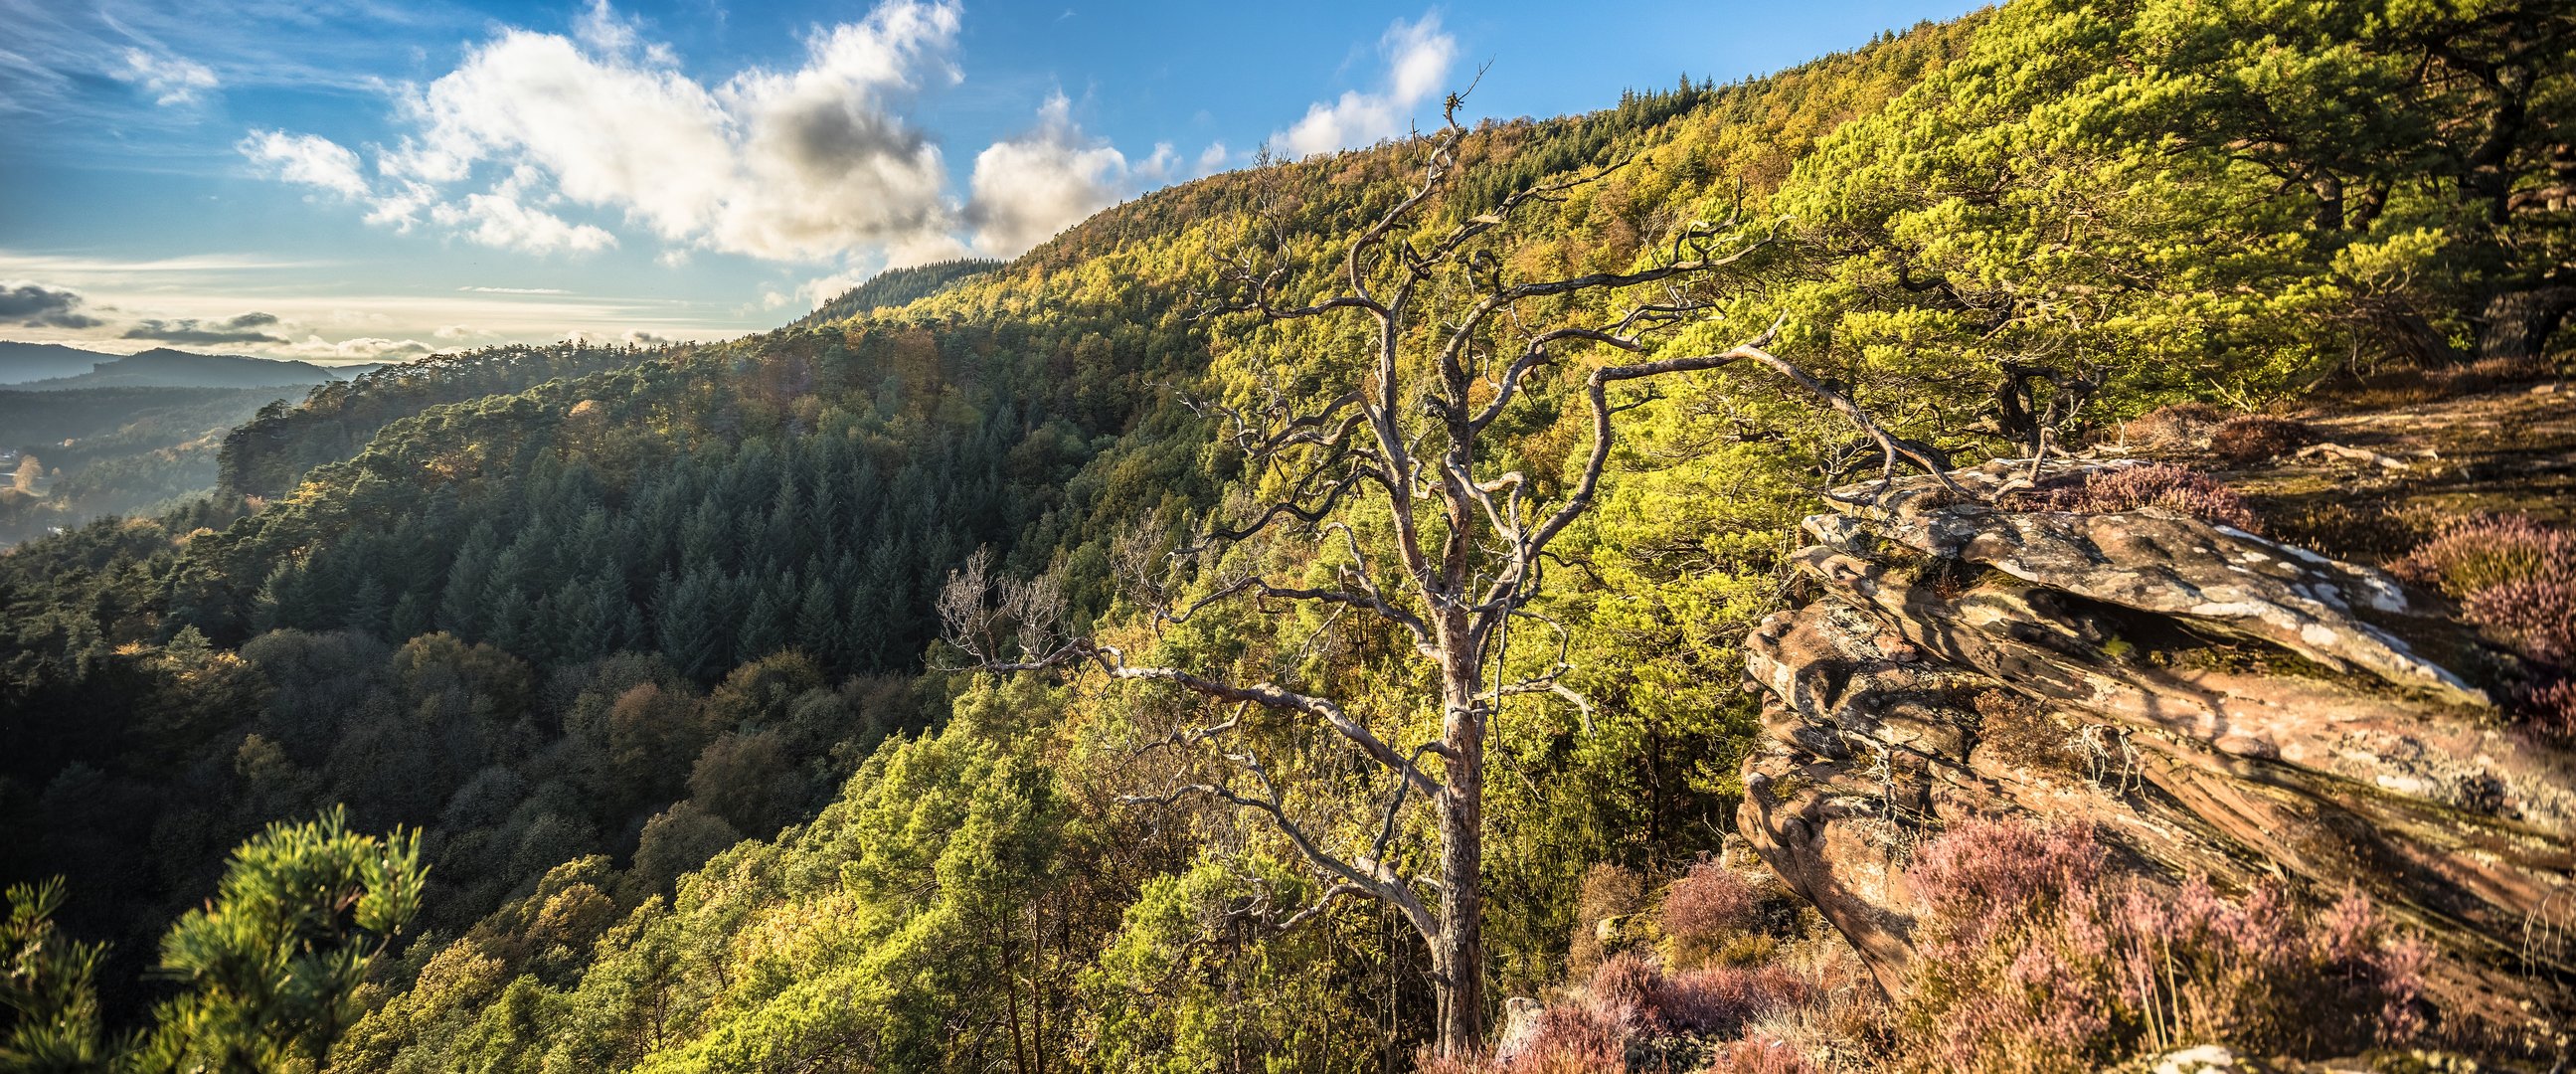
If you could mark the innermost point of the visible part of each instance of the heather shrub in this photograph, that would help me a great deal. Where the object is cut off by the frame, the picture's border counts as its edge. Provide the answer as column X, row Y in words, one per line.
column 2511, row 575
column 1571, row 1040
column 2537, row 616
column 1625, row 991
column 2475, row 553
column 1711, row 914
column 2548, row 711
column 1721, row 999
column 1630, row 1006
column 2256, row 437
column 2128, row 488
column 2033, row 958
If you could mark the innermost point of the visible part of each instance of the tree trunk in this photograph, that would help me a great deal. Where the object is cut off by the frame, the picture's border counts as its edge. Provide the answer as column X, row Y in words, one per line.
column 2515, row 326
column 1459, row 956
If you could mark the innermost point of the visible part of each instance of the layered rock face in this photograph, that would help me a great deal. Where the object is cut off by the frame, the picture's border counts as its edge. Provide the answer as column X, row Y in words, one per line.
column 2213, row 702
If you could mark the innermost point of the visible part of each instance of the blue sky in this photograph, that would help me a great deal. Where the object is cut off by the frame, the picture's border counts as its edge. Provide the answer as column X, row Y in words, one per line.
column 349, row 180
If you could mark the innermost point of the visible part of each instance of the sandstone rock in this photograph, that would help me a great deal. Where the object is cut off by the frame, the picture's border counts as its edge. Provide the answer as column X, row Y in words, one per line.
column 2215, row 703
column 1520, row 1029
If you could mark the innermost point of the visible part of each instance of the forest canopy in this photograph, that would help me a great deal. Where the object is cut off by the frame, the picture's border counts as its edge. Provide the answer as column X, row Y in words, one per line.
column 635, row 654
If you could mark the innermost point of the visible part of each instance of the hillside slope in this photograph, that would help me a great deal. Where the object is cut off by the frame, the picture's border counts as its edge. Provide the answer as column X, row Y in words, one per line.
column 647, row 645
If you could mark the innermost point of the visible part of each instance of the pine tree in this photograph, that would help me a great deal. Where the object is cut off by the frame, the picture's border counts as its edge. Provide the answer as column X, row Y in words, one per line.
column 688, row 626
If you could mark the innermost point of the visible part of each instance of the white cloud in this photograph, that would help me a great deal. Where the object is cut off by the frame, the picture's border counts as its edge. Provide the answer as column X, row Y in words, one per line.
column 308, row 159
column 217, row 286
column 172, row 80
column 360, row 349
column 1418, row 57
column 794, row 165
column 498, row 220
column 542, row 142
column 1031, row 187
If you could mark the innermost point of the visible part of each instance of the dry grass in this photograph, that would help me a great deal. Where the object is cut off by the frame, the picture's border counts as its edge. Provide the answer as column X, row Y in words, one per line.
column 1610, row 892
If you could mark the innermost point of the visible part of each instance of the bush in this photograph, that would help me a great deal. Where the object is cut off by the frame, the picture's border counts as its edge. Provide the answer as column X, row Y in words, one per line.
column 2516, row 578
column 2255, row 437
column 2032, row 958
column 1609, row 891
column 2481, row 551
column 2548, row 711
column 1721, row 999
column 2537, row 616
column 1709, row 915
column 2128, row 488
column 2178, row 425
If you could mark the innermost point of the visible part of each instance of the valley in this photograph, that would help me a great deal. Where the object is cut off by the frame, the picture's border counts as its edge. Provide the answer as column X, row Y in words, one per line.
column 2038, row 543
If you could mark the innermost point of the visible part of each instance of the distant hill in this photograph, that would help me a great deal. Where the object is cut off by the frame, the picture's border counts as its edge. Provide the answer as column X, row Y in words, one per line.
column 22, row 362
column 41, row 367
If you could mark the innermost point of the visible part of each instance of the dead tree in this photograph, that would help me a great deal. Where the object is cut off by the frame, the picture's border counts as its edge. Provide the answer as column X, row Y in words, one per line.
column 1451, row 353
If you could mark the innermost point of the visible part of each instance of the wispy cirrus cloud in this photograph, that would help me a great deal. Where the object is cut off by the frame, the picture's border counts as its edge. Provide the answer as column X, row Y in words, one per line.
column 169, row 79
column 74, row 63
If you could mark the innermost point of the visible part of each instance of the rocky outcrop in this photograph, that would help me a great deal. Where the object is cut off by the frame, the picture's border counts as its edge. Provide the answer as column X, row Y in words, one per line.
column 2213, row 702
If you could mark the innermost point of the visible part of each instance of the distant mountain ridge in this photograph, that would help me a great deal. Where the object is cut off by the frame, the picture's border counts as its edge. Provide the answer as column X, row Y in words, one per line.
column 54, row 367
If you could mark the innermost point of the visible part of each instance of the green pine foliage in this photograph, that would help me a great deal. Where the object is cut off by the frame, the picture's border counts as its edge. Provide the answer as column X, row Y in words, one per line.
column 897, row 287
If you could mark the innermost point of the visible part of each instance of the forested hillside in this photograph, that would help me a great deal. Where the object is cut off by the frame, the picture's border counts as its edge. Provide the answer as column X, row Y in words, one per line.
column 645, row 647
column 84, row 453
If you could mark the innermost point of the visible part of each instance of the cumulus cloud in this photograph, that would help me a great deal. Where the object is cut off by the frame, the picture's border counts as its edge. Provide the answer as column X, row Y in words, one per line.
column 499, row 220
column 31, row 305
column 171, row 80
column 786, row 165
column 542, row 142
column 306, row 159
column 1028, row 188
column 247, row 328
column 1418, row 56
